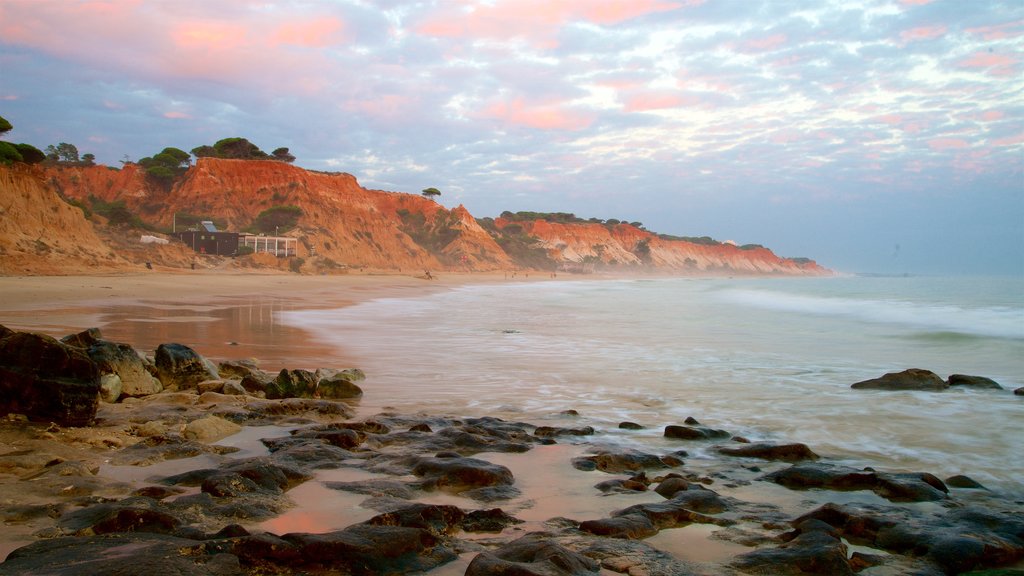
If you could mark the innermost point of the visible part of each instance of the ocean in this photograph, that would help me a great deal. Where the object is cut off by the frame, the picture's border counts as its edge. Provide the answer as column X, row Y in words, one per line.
column 764, row 358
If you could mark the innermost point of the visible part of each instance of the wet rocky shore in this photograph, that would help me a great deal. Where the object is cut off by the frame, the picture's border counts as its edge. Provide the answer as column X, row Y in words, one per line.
column 81, row 412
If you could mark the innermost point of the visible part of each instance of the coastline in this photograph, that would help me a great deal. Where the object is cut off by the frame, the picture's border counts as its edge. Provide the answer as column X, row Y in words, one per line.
column 551, row 484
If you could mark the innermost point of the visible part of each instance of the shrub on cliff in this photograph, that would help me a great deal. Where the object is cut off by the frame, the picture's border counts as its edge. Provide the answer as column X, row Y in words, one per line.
column 277, row 219
column 240, row 149
column 166, row 166
column 10, row 152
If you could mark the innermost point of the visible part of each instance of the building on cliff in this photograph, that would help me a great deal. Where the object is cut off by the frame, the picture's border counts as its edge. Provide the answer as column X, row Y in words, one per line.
column 206, row 239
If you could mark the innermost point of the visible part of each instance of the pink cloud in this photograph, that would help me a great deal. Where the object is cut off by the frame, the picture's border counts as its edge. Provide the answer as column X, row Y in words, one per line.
column 175, row 115
column 536, row 21
column 991, row 115
column 947, row 143
column 1010, row 140
column 316, row 33
column 998, row 64
column 923, row 33
column 1000, row 31
column 656, row 101
column 765, row 44
column 915, row 2
column 552, row 116
column 9, row 97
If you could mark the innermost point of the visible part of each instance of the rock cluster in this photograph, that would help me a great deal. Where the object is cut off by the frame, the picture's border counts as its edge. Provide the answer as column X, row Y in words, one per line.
column 202, row 519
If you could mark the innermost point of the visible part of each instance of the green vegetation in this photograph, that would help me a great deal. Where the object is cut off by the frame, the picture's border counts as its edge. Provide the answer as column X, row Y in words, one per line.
column 703, row 240
column 751, row 247
column 521, row 247
column 431, row 192
column 277, row 219
column 240, row 149
column 167, row 166
column 116, row 213
column 433, row 235
column 295, row 264
column 11, row 153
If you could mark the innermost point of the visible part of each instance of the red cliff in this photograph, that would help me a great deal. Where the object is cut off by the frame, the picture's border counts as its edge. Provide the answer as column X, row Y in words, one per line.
column 344, row 225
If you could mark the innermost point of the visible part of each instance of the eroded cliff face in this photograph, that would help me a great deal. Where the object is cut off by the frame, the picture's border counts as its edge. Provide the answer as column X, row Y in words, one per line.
column 345, row 226
column 622, row 246
column 42, row 234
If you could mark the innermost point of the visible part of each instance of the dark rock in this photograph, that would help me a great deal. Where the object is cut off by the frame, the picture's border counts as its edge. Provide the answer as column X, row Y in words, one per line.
column 133, row 514
column 630, row 426
column 694, row 433
column 634, row 526
column 814, row 548
column 1019, row 391
column 253, row 475
column 550, row 432
column 636, row 483
column 119, row 555
column 668, row 487
column 911, row 487
column 47, row 380
column 973, row 381
column 123, row 360
column 910, row 379
column 363, row 549
column 961, row 481
column 766, row 451
column 685, row 507
column 963, row 539
column 339, row 384
column 439, row 520
column 256, row 383
column 421, row 427
column 292, row 384
column 617, row 462
column 82, row 339
column 492, row 520
column 532, row 555
column 461, row 473
column 180, row 367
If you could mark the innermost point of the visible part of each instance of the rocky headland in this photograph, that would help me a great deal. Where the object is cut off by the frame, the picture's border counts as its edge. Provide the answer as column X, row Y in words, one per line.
column 90, row 219
column 113, row 460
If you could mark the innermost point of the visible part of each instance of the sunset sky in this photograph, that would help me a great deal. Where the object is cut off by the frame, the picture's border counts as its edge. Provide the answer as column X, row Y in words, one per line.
column 873, row 136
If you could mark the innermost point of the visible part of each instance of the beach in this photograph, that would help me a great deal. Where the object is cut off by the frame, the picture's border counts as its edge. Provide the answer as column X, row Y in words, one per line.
column 554, row 368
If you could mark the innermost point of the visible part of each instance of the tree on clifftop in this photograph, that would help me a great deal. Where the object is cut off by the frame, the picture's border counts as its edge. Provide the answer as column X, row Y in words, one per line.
column 431, row 192
column 240, row 149
column 10, row 153
column 168, row 165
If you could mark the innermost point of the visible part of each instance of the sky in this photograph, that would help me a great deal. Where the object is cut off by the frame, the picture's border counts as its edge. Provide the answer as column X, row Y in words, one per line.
column 881, row 136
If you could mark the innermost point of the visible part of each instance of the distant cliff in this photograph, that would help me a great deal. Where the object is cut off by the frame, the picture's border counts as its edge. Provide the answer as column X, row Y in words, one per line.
column 345, row 226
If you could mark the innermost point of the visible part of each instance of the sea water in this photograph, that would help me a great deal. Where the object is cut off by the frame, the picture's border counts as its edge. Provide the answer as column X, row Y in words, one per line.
column 768, row 359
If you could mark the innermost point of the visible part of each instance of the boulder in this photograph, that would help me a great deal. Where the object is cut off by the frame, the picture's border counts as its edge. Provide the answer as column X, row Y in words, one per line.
column 910, row 379
column 439, row 520
column 904, row 487
column 552, row 432
column 125, row 362
column 210, row 429
column 973, row 381
column 133, row 514
column 634, row 526
column 532, row 555
column 83, row 339
column 238, row 369
column 180, row 367
column 694, row 433
column 813, row 548
column 45, row 379
column 120, row 553
column 338, row 387
column 292, row 384
column 366, row 549
column 1019, row 391
column 625, row 461
column 461, row 473
column 786, row 452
